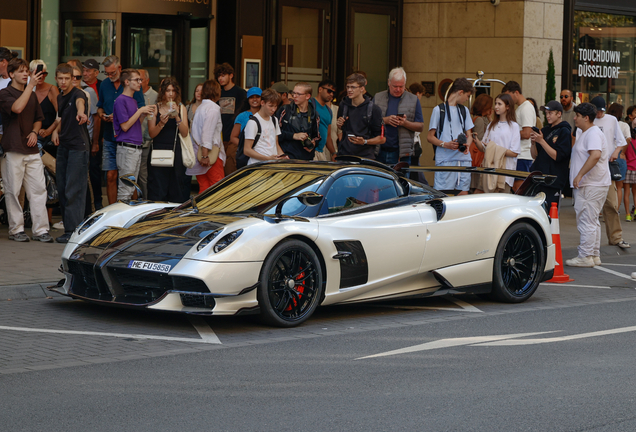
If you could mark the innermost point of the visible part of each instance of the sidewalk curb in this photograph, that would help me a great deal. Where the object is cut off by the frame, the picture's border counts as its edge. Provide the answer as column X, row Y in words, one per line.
column 26, row 292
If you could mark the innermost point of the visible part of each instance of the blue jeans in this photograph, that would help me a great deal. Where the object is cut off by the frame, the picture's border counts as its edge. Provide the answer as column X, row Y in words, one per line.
column 72, row 181
column 391, row 158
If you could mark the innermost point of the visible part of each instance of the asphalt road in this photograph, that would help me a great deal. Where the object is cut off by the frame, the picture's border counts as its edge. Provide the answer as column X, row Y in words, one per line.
column 562, row 361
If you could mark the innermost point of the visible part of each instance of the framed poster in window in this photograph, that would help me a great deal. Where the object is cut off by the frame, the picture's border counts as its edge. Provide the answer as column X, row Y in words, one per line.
column 251, row 73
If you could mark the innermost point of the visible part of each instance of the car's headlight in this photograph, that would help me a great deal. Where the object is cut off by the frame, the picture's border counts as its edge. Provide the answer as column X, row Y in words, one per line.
column 227, row 240
column 208, row 238
column 89, row 222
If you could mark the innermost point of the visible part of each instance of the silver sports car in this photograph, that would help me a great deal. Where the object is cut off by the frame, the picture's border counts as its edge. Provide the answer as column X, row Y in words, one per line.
column 282, row 238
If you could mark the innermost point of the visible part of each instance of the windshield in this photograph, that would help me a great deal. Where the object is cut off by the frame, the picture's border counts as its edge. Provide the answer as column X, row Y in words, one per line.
column 257, row 190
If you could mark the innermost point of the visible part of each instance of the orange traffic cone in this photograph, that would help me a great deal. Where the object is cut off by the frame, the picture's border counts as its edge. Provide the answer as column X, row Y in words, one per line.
column 559, row 275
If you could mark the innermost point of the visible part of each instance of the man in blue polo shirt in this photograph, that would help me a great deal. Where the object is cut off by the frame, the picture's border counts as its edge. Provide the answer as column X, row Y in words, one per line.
column 324, row 147
column 109, row 90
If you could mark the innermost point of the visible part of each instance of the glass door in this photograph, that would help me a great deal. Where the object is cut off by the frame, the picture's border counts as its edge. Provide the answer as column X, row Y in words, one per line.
column 374, row 46
column 303, row 41
column 151, row 42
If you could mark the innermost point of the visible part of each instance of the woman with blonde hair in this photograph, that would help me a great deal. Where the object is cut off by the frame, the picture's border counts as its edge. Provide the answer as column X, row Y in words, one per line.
column 168, row 183
column 206, row 133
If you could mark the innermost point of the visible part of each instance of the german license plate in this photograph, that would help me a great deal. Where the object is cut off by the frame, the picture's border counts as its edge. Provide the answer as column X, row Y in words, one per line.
column 144, row 265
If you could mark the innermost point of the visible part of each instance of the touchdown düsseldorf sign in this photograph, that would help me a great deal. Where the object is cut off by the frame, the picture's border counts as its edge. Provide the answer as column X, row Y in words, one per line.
column 596, row 70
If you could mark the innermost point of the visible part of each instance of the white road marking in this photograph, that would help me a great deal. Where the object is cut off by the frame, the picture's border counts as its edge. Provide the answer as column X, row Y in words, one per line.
column 446, row 343
column 620, row 265
column 572, row 285
column 465, row 307
column 204, row 330
column 560, row 338
column 615, row 273
column 117, row 335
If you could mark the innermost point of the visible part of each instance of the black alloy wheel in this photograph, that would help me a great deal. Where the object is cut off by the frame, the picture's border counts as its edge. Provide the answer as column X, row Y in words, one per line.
column 290, row 284
column 519, row 264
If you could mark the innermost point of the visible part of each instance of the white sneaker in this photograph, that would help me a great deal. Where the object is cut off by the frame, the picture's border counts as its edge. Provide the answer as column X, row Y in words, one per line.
column 580, row 262
column 597, row 260
column 59, row 225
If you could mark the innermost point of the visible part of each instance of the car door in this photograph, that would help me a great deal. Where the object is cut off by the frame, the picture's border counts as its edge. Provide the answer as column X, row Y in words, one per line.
column 374, row 236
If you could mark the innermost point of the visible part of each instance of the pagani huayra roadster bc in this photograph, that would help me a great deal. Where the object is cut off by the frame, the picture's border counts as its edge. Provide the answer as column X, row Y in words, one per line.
column 281, row 238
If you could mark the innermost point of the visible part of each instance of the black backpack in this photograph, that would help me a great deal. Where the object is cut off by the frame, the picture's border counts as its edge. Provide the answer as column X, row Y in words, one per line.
column 241, row 158
column 463, row 111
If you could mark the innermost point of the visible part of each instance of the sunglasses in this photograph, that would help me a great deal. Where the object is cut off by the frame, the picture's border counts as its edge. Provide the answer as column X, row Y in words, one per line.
column 328, row 90
column 564, row 97
column 77, row 77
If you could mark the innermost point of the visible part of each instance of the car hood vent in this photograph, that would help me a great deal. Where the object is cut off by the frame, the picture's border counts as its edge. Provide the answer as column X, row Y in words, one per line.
column 440, row 207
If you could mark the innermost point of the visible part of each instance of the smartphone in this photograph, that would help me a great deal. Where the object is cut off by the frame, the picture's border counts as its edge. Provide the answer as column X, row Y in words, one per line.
column 402, row 115
column 351, row 135
column 39, row 69
column 536, row 129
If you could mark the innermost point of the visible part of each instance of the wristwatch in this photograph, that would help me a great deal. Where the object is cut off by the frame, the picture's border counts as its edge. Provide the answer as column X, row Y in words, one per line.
column 442, row 144
column 365, row 142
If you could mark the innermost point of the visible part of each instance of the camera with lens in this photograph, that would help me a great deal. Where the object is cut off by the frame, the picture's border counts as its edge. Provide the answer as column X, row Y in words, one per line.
column 308, row 144
column 461, row 140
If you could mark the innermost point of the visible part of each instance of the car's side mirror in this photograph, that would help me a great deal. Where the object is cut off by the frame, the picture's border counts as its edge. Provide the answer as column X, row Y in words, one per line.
column 307, row 198
column 131, row 180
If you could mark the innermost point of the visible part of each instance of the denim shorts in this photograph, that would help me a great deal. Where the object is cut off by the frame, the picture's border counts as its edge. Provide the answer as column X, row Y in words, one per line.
column 109, row 156
column 452, row 180
column 622, row 165
column 524, row 164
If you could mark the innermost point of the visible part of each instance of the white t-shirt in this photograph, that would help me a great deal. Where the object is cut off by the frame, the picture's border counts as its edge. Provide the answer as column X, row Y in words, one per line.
column 266, row 144
column 526, row 117
column 591, row 139
column 624, row 127
column 506, row 135
column 612, row 131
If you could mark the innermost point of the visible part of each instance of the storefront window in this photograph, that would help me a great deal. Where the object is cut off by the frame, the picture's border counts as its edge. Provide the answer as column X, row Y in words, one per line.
column 604, row 58
column 89, row 38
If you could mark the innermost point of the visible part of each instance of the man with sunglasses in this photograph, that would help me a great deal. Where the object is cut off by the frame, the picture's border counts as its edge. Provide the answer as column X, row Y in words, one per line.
column 567, row 101
column 110, row 90
column 324, row 146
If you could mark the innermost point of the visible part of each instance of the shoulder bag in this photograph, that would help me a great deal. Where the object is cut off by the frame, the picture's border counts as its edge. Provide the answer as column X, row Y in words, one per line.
column 163, row 158
column 187, row 150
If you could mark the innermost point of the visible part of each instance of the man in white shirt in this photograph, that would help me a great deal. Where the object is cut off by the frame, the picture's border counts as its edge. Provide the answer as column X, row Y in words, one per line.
column 526, row 118
column 616, row 143
column 265, row 146
column 590, row 180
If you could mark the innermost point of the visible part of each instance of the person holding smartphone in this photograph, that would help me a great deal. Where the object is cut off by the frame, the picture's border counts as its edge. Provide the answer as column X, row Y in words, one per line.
column 360, row 121
column 266, row 147
column 551, row 150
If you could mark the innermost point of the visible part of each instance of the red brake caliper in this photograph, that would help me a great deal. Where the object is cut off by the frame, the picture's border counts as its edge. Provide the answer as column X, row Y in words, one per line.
column 300, row 288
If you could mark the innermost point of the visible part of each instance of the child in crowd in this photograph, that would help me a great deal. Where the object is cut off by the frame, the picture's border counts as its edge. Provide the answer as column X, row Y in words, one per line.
column 267, row 147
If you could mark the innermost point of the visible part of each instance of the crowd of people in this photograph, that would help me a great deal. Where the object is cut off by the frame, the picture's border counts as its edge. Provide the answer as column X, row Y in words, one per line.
column 85, row 131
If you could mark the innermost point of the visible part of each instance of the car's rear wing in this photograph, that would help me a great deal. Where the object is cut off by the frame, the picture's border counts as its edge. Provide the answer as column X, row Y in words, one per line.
column 528, row 187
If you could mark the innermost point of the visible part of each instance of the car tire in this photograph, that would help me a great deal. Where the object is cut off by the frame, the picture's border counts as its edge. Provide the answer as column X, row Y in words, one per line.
column 519, row 264
column 290, row 285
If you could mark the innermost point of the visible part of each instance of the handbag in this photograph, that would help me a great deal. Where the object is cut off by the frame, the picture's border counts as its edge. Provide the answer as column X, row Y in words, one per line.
column 615, row 171
column 163, row 158
column 187, row 151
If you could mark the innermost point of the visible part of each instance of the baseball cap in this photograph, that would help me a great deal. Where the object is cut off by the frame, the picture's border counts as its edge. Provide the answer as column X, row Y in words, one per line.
column 552, row 106
column 599, row 103
column 254, row 91
column 280, row 87
column 91, row 64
